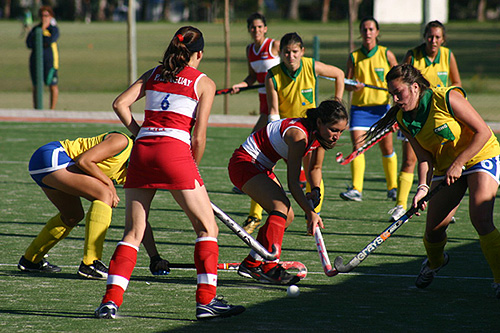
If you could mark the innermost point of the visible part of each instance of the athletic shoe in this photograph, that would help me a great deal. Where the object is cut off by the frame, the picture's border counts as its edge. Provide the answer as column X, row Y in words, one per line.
column 218, row 307
column 391, row 194
column 106, row 310
column 426, row 274
column 159, row 266
column 396, row 213
column 276, row 275
column 496, row 286
column 351, row 195
column 42, row 267
column 237, row 190
column 250, row 224
column 96, row 271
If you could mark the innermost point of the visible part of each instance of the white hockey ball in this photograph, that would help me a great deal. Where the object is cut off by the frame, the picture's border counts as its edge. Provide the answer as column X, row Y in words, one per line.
column 293, row 291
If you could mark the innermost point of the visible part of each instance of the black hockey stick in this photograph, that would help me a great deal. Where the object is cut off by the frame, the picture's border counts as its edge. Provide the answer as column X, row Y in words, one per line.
column 339, row 261
column 228, row 90
column 245, row 236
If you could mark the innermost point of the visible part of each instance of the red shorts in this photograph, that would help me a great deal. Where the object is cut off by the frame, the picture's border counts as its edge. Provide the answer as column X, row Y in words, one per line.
column 263, row 104
column 162, row 162
column 242, row 167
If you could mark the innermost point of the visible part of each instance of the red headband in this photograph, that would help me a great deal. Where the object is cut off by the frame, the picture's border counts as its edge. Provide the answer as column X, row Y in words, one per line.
column 180, row 37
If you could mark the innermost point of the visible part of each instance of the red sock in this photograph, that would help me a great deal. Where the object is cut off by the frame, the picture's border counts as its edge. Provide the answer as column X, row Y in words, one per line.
column 206, row 257
column 120, row 269
column 271, row 233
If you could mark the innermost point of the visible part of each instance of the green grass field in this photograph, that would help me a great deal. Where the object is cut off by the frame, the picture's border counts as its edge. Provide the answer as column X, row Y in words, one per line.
column 94, row 59
column 378, row 296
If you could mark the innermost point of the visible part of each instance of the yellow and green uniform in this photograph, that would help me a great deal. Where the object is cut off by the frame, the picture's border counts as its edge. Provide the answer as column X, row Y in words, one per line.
column 437, row 72
column 114, row 167
column 296, row 92
column 437, row 131
column 99, row 214
column 370, row 67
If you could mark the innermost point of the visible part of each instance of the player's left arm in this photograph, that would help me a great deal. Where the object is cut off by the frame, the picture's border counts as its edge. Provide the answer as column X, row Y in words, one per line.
column 391, row 58
column 272, row 99
column 332, row 72
column 206, row 91
column 465, row 113
column 454, row 73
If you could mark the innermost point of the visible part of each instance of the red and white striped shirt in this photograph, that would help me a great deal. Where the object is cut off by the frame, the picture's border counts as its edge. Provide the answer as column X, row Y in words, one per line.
column 261, row 60
column 267, row 146
column 171, row 106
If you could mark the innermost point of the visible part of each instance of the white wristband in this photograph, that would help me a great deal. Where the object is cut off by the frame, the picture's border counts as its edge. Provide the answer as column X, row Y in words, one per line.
column 423, row 186
column 273, row 117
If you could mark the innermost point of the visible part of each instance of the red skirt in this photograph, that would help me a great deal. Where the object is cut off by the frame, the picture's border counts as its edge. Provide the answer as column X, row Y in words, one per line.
column 162, row 162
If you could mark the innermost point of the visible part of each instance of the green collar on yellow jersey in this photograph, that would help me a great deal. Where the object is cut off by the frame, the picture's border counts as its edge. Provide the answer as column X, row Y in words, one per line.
column 428, row 62
column 424, row 105
column 287, row 72
column 370, row 53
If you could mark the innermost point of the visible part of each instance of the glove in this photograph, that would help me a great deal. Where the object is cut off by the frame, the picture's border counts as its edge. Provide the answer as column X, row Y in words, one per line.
column 159, row 266
column 314, row 196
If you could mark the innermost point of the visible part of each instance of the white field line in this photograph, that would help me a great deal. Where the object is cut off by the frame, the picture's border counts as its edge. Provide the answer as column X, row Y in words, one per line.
column 75, row 268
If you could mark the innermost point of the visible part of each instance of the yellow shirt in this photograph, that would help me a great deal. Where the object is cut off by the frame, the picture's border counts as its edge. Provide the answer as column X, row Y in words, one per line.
column 370, row 67
column 437, row 131
column 297, row 92
column 115, row 167
column 436, row 72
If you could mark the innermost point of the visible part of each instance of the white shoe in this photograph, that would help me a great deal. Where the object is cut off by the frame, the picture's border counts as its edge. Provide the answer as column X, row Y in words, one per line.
column 351, row 195
column 396, row 213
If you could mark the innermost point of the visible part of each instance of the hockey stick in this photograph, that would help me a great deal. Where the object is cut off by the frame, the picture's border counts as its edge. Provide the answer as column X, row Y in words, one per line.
column 323, row 254
column 245, row 236
column 288, row 265
column 228, row 90
column 343, row 161
column 339, row 261
column 350, row 82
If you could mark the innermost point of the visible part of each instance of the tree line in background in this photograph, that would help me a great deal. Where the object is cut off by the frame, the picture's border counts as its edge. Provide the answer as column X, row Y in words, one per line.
column 212, row 11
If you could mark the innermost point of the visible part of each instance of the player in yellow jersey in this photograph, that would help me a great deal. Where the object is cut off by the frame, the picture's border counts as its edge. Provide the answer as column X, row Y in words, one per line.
column 368, row 65
column 439, row 66
column 291, row 87
column 453, row 144
column 87, row 168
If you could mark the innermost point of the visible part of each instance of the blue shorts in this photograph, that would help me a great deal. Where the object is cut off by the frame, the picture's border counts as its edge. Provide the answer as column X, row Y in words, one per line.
column 363, row 117
column 491, row 166
column 47, row 159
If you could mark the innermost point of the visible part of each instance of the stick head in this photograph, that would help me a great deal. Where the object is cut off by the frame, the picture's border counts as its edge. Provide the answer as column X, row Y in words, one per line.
column 339, row 264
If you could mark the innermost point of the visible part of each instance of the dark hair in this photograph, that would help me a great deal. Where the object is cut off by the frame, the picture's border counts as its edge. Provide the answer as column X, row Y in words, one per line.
column 186, row 41
column 435, row 24
column 290, row 38
column 368, row 18
column 46, row 9
column 408, row 75
column 329, row 111
column 255, row 16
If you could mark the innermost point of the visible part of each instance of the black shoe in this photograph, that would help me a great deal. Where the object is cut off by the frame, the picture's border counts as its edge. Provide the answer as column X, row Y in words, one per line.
column 217, row 307
column 97, row 270
column 276, row 275
column 159, row 266
column 106, row 310
column 42, row 267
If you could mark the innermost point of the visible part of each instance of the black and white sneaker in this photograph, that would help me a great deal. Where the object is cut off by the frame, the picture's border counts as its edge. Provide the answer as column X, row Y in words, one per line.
column 42, row 267
column 97, row 270
column 276, row 275
column 106, row 310
column 426, row 274
column 217, row 308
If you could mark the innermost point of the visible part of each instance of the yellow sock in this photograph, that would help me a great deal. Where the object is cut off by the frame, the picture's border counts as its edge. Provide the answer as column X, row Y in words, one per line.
column 490, row 245
column 97, row 223
column 435, row 253
column 322, row 191
column 358, row 172
column 390, row 164
column 255, row 210
column 405, row 182
column 54, row 231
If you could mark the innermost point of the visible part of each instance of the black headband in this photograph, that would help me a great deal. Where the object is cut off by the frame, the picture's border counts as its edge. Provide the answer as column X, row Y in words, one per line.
column 197, row 45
